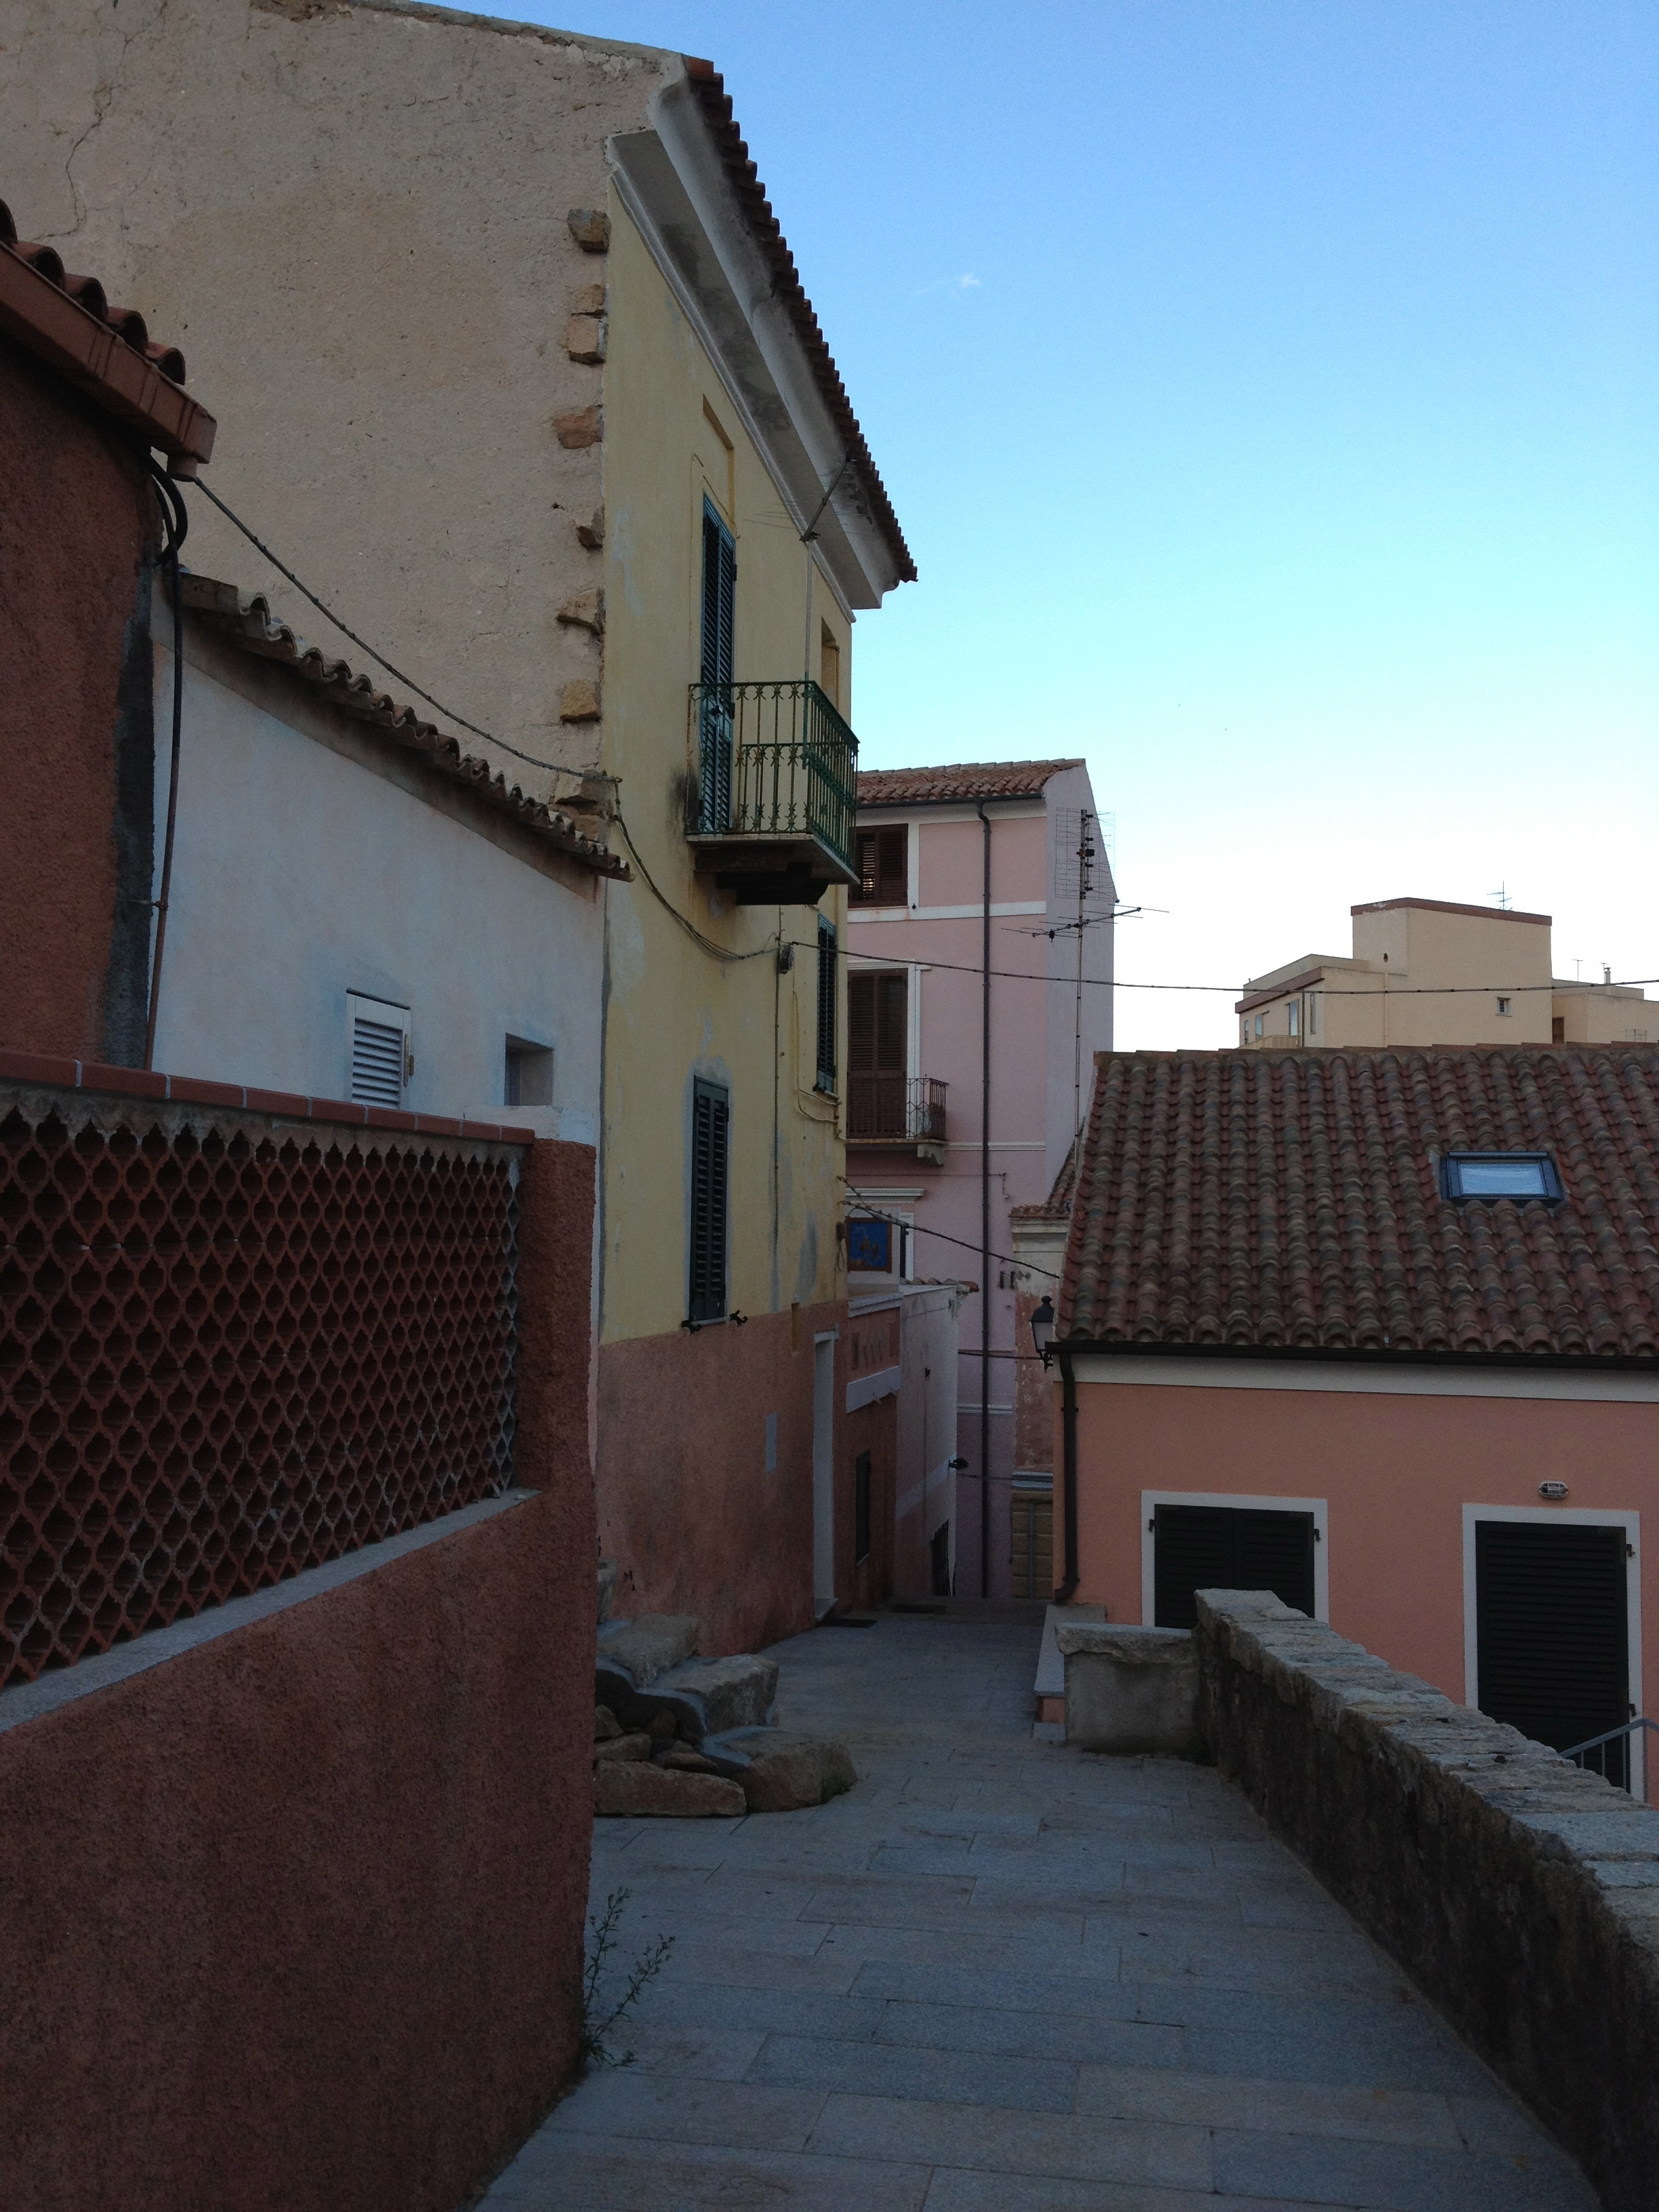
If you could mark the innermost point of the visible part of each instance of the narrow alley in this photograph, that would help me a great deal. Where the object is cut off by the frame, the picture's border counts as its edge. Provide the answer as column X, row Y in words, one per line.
column 1000, row 1976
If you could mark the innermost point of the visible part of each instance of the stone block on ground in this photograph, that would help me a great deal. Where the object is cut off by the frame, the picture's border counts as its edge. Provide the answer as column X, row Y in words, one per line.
column 649, row 1645
column 1131, row 1690
column 786, row 1773
column 732, row 1693
column 606, row 1725
column 634, row 1791
column 634, row 1746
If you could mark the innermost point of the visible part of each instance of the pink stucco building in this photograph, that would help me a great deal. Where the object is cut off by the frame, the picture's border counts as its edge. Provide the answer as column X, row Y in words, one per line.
column 979, row 974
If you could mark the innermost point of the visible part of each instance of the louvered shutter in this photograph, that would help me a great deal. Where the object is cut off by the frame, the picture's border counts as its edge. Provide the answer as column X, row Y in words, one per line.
column 861, row 1023
column 891, row 1000
column 710, row 1123
column 1198, row 1547
column 1551, row 1649
column 892, row 867
column 720, row 586
column 826, row 1074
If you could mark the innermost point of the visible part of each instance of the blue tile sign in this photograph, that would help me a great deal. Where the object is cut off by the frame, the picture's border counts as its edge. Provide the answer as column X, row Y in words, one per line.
column 870, row 1246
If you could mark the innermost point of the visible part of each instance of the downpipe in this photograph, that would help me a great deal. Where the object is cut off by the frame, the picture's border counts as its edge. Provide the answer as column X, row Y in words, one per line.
column 1067, row 1590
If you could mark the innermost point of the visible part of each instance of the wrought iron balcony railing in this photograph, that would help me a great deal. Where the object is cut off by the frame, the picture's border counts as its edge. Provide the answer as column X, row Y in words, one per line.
column 773, row 762
column 895, row 1110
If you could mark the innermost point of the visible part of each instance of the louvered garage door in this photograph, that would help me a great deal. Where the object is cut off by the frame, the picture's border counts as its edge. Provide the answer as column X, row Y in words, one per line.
column 1241, row 1547
column 1552, row 1635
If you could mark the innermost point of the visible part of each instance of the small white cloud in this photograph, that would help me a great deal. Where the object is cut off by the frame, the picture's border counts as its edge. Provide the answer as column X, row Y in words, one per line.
column 955, row 285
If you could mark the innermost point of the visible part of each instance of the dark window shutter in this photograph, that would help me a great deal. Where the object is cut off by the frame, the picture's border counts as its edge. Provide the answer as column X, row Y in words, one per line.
column 861, row 1023
column 883, row 860
column 719, row 588
column 1552, row 1635
column 891, row 999
column 826, row 1076
column 1198, row 1547
column 710, row 1125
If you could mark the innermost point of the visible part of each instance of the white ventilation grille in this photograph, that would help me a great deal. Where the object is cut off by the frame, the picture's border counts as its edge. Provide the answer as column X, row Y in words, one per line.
column 378, row 1051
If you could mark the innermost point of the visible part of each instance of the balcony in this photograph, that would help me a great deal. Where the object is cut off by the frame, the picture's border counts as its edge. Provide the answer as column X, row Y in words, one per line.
column 770, row 807
column 897, row 1113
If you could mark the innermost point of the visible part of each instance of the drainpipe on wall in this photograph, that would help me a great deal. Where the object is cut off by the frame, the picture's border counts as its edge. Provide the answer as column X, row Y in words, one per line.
column 1064, row 1594
column 984, row 1236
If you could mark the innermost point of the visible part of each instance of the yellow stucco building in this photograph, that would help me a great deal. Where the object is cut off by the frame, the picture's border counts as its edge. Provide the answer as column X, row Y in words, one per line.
column 1429, row 971
column 529, row 392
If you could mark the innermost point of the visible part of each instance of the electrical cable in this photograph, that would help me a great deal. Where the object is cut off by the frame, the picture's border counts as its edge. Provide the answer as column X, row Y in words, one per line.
column 719, row 952
column 868, row 1213
column 175, row 526
column 346, row 628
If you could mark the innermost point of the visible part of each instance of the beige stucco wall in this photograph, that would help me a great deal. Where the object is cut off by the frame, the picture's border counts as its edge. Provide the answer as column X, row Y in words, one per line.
column 353, row 221
column 676, row 1010
column 1601, row 1013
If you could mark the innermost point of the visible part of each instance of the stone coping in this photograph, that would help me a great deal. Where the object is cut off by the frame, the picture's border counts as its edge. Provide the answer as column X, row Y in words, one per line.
column 1519, row 1892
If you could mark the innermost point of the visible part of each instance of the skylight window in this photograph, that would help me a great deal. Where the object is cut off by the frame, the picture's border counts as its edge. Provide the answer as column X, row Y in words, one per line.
column 1499, row 1175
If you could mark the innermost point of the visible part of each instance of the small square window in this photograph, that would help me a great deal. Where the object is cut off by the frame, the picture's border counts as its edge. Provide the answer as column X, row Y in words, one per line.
column 1518, row 1175
column 529, row 1073
column 1504, row 1006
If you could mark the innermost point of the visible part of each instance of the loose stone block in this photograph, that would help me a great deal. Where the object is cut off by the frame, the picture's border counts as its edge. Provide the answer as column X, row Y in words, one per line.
column 629, row 1749
column 584, row 337
column 579, row 701
column 793, row 1771
column 584, row 611
column 591, row 533
column 649, row 1645
column 587, row 300
column 633, row 1792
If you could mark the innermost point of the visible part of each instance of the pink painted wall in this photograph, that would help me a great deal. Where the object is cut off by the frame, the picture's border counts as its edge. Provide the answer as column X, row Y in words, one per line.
column 1396, row 1473
column 1032, row 1025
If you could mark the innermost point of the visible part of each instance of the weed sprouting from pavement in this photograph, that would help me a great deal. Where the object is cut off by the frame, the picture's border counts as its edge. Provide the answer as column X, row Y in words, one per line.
column 592, row 2049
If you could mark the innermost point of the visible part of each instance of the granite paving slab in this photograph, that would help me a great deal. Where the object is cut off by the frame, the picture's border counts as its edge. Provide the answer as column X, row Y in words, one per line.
column 1003, row 1975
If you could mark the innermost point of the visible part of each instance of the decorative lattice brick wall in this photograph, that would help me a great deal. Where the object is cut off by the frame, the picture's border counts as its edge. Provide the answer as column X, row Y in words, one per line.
column 234, row 1345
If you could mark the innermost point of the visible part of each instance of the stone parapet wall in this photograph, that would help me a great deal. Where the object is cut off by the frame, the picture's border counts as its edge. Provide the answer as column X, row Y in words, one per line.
column 1520, row 1893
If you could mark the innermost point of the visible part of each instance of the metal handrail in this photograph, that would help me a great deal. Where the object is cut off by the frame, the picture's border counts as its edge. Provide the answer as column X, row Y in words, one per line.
column 772, row 759
column 1624, row 1731
column 894, row 1109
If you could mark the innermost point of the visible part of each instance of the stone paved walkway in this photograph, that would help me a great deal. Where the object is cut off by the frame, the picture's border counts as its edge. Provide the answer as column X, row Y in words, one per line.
column 1001, row 1976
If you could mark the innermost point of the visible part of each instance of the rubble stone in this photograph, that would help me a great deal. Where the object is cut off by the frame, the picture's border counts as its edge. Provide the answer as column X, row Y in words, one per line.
column 634, row 1791
column 793, row 1771
column 584, row 337
column 580, row 427
column 606, row 1726
column 634, row 1746
column 591, row 228
column 579, row 702
column 649, row 1645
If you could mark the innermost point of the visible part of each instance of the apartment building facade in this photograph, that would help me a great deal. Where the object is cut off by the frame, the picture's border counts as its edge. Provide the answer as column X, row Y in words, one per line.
column 543, row 412
column 1429, row 971
column 979, row 987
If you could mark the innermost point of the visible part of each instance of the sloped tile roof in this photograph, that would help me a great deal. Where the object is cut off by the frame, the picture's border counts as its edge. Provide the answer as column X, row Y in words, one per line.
column 709, row 87
column 1290, row 1200
column 250, row 624
column 68, row 322
column 920, row 786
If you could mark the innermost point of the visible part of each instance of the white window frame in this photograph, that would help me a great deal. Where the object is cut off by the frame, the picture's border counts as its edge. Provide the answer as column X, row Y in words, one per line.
column 384, row 1013
column 1317, row 1506
column 1581, row 1516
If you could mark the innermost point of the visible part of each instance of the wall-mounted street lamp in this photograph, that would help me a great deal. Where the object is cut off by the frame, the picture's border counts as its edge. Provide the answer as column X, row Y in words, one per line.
column 1043, row 1329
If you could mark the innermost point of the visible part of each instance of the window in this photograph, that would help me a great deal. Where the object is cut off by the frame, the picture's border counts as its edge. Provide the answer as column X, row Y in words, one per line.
column 529, row 1076
column 1313, row 1013
column 826, row 1075
column 878, row 1025
column 1229, row 1547
column 1293, row 1017
column 1260, row 1019
column 719, row 588
column 1557, row 1029
column 830, row 665
column 1503, row 1006
column 882, row 859
column 861, row 1508
column 378, row 1061
column 1499, row 1175
column 711, row 1117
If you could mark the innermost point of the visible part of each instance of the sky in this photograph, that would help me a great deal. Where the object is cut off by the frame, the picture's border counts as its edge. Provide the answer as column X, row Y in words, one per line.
column 1267, row 391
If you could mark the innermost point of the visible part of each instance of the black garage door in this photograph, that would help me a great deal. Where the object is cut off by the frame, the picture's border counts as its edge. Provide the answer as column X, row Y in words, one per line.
column 1552, row 1635
column 1239, row 1547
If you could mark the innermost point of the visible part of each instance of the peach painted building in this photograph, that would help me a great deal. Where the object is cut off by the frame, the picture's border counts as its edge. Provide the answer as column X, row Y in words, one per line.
column 1378, row 1330
column 979, row 990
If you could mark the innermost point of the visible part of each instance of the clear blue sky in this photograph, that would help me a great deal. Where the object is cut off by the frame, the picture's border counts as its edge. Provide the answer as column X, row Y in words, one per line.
column 1267, row 389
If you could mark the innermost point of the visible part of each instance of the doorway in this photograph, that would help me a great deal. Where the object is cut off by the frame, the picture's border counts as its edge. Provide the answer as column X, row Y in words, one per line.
column 1236, row 1547
column 1552, row 1632
column 1032, row 1551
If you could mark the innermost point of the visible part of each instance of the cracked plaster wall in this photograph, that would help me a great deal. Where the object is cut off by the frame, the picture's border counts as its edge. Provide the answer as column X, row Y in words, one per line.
column 352, row 218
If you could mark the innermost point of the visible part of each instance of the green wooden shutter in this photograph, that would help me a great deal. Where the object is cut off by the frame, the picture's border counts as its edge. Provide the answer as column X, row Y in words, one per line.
column 719, row 589
column 826, row 1076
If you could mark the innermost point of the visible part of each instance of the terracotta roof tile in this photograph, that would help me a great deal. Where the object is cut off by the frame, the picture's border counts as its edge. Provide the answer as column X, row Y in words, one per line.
column 1290, row 1199
column 68, row 322
column 920, row 786
column 710, row 88
column 250, row 624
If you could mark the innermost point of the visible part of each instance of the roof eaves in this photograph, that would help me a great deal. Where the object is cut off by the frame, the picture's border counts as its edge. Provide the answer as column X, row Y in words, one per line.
column 106, row 352
column 250, row 624
column 709, row 87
